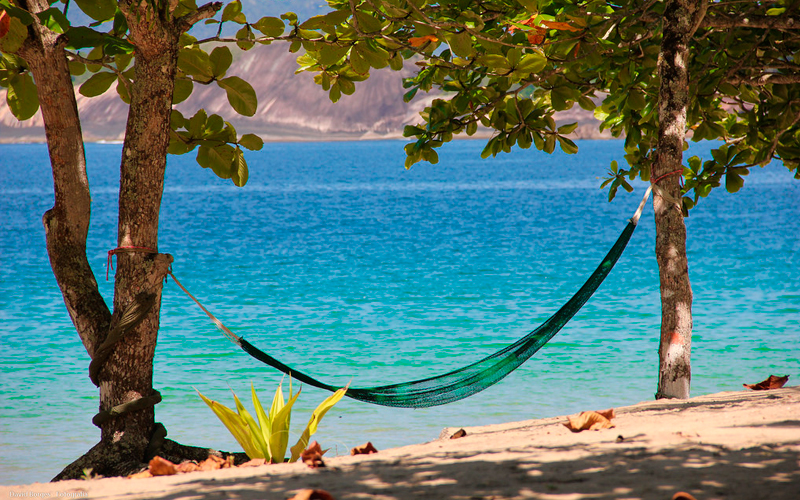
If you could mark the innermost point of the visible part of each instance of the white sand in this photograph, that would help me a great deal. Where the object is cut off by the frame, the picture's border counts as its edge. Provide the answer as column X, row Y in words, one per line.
column 733, row 445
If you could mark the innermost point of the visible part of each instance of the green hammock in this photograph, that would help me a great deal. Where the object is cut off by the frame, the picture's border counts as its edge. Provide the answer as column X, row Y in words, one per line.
column 463, row 382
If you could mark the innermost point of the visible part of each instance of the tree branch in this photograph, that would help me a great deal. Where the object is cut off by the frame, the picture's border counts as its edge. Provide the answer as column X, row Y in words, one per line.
column 765, row 79
column 760, row 22
column 205, row 12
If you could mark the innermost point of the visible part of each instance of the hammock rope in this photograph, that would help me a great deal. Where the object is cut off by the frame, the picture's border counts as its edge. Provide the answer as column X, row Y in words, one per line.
column 466, row 381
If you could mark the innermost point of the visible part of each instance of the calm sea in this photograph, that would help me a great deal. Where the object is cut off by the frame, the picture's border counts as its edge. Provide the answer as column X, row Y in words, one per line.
column 338, row 261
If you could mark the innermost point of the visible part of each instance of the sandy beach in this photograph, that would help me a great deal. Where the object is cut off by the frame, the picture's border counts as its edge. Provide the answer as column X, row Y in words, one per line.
column 732, row 445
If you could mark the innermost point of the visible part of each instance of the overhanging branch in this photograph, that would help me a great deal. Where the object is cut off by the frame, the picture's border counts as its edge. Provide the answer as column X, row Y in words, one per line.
column 769, row 78
column 759, row 22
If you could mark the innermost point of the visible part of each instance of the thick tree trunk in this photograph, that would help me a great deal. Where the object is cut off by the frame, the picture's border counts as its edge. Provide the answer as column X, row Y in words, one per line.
column 128, row 374
column 125, row 375
column 676, row 293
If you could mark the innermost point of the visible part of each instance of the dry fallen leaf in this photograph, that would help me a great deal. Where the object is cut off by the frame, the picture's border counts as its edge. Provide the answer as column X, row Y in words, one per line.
column 312, row 495
column 364, row 449
column 256, row 462
column 458, row 434
column 590, row 420
column 312, row 456
column 187, row 466
column 162, row 467
column 772, row 382
column 214, row 462
column 140, row 475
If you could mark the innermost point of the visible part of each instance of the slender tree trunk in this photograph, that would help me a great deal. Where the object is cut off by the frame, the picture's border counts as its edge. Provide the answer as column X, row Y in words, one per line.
column 67, row 223
column 676, row 292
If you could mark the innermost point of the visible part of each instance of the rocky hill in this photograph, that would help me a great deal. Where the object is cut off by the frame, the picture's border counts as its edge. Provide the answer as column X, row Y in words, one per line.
column 291, row 106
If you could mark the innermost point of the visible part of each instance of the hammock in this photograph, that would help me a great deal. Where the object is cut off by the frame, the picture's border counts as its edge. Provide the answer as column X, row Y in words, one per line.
column 463, row 382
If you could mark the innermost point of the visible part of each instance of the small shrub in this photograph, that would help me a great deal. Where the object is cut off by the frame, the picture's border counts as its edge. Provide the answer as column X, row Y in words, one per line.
column 268, row 436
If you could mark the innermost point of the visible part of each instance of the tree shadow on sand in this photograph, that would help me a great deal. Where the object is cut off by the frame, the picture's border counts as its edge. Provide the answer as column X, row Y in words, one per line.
column 707, row 472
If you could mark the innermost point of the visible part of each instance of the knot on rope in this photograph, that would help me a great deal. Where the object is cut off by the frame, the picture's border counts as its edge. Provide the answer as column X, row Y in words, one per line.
column 655, row 181
column 136, row 404
column 126, row 249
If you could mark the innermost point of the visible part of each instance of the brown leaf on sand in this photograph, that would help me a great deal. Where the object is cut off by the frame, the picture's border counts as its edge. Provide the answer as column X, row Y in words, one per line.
column 214, row 463
column 590, row 420
column 312, row 456
column 140, row 475
column 312, row 495
column 364, row 449
column 682, row 495
column 162, row 467
column 772, row 382
column 187, row 466
column 256, row 462
column 459, row 434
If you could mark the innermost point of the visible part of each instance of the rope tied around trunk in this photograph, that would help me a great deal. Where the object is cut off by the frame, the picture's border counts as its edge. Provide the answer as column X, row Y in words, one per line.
column 133, row 314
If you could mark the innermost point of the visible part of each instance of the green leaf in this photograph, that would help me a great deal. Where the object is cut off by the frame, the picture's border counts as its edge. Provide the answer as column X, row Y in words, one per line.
column 358, row 63
column 231, row 11
column 98, row 84
column 270, row 26
column 733, row 181
column 13, row 40
column 241, row 95
column 567, row 145
column 258, row 443
column 279, row 440
column 567, row 129
column 239, row 172
column 374, row 54
column 367, row 23
column 313, row 423
column 22, row 96
column 251, row 142
column 636, row 100
column 54, row 20
column 183, row 89
column 347, row 87
column 234, row 424
column 220, row 60
column 332, row 54
column 196, row 63
column 532, row 63
column 264, row 423
column 461, row 44
column 244, row 38
column 560, row 97
column 218, row 158
column 99, row 10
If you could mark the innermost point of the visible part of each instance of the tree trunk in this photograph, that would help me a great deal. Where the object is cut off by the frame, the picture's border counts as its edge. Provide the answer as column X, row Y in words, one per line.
column 125, row 375
column 67, row 223
column 676, row 292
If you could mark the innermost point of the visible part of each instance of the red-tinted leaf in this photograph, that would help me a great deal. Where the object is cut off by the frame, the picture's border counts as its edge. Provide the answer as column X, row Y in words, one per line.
column 772, row 382
column 364, row 449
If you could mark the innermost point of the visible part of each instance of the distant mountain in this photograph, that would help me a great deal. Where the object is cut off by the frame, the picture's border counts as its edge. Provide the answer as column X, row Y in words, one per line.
column 291, row 106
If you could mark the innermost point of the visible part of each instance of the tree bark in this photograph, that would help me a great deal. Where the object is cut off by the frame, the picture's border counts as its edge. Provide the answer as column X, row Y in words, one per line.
column 67, row 223
column 676, row 292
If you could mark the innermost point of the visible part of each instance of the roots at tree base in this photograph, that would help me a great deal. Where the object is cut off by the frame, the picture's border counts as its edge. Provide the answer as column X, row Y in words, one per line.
column 116, row 459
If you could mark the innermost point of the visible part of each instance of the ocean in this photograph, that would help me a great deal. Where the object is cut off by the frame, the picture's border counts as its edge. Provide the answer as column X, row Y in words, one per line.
column 340, row 262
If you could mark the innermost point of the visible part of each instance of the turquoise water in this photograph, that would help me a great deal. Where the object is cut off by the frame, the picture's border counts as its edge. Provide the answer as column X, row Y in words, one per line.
column 339, row 262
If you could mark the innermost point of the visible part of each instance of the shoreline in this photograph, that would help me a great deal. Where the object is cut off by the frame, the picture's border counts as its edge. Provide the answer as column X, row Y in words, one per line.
column 730, row 445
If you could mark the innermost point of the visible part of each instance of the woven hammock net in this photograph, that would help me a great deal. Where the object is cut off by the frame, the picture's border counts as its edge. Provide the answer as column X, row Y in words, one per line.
column 463, row 382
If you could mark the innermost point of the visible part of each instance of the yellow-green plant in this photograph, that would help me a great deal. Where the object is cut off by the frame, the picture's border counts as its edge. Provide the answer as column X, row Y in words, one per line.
column 269, row 436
